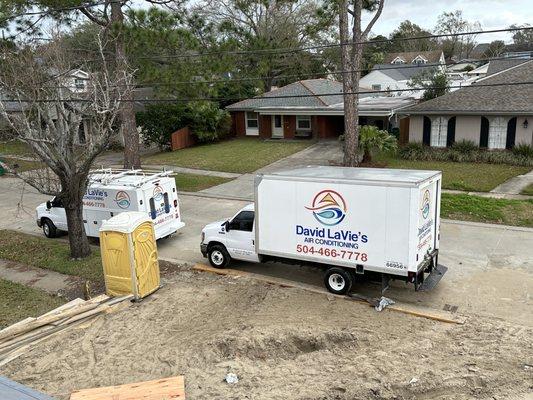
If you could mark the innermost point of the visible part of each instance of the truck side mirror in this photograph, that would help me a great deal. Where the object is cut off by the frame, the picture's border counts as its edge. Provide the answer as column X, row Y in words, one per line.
column 48, row 204
column 226, row 226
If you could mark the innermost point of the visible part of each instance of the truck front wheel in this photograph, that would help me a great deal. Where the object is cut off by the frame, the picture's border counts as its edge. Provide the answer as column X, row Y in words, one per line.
column 218, row 256
column 49, row 229
column 338, row 280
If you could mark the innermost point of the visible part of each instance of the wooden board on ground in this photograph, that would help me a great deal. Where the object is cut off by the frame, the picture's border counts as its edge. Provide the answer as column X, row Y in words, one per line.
column 160, row 389
column 417, row 311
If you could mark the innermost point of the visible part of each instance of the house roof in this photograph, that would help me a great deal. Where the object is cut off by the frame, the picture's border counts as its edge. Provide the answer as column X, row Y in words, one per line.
column 403, row 72
column 503, row 64
column 478, row 99
column 432, row 56
column 315, row 101
column 312, row 93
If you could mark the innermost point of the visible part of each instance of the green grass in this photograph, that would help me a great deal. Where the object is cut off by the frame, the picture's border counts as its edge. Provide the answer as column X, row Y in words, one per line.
column 15, row 148
column 474, row 177
column 482, row 209
column 236, row 155
column 19, row 302
column 194, row 183
column 528, row 190
column 21, row 165
column 50, row 254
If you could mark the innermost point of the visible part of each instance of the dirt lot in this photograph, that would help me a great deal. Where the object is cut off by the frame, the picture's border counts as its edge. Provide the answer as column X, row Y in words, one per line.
column 283, row 344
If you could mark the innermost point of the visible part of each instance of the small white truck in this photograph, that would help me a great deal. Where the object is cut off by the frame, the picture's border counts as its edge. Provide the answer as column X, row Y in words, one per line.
column 110, row 192
column 349, row 221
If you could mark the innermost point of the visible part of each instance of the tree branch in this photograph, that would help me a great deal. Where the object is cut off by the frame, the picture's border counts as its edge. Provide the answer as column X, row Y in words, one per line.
column 373, row 20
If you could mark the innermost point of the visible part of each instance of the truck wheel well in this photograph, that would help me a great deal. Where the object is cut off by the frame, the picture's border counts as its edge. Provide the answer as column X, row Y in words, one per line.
column 45, row 219
column 211, row 244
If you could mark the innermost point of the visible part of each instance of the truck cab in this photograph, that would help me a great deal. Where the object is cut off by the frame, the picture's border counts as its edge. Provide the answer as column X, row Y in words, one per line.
column 232, row 238
column 51, row 217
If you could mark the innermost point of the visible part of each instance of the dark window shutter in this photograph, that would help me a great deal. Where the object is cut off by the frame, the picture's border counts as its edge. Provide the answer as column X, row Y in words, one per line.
column 426, row 134
column 484, row 133
column 511, row 133
column 450, row 134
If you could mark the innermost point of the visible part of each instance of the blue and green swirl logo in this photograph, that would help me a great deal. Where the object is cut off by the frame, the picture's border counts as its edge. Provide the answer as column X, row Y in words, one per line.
column 425, row 204
column 122, row 199
column 328, row 207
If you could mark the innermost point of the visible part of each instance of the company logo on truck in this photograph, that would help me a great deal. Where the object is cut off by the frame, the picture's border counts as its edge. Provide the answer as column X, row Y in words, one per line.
column 122, row 199
column 425, row 204
column 328, row 207
column 158, row 193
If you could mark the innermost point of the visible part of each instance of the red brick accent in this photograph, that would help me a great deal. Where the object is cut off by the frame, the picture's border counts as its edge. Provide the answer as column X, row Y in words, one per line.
column 181, row 139
column 265, row 126
column 238, row 123
column 289, row 126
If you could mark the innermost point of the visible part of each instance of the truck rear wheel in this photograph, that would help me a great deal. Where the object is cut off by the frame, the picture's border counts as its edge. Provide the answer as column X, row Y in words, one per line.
column 49, row 229
column 218, row 256
column 338, row 280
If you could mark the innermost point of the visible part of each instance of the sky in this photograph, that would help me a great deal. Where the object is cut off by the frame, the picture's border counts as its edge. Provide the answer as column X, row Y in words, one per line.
column 491, row 14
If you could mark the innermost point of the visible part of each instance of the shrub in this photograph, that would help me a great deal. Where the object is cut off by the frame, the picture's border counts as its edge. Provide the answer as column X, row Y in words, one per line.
column 465, row 146
column 372, row 139
column 207, row 122
column 523, row 150
column 463, row 152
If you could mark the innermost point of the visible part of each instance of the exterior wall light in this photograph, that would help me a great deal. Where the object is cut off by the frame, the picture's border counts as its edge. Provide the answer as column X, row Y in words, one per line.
column 526, row 123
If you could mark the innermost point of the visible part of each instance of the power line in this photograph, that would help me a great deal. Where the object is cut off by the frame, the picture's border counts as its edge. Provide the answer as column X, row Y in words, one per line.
column 167, row 100
column 423, row 67
column 54, row 10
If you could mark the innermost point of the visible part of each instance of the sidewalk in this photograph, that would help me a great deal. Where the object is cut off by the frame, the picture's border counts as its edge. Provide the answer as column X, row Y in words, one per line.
column 50, row 281
column 515, row 185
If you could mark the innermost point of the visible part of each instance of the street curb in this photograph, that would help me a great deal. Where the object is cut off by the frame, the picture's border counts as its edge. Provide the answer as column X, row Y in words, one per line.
column 487, row 225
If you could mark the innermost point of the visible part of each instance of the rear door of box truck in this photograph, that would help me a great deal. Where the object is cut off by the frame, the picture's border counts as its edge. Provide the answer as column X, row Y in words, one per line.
column 427, row 217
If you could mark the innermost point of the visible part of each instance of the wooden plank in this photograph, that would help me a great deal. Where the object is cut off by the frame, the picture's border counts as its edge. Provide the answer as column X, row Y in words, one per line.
column 160, row 389
column 417, row 311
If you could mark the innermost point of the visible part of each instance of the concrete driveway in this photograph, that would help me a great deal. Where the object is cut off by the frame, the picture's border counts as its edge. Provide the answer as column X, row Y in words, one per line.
column 320, row 153
column 490, row 267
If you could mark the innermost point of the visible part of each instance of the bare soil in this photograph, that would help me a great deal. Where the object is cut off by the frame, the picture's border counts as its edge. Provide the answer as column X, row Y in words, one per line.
column 283, row 344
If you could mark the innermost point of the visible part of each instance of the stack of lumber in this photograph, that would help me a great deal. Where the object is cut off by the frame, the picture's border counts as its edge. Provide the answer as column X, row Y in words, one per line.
column 172, row 388
column 20, row 337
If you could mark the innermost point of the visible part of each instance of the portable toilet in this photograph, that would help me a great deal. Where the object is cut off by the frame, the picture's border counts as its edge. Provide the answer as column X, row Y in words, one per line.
column 129, row 255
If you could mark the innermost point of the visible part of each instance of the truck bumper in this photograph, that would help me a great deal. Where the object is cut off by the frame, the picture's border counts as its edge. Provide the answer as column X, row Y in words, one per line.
column 203, row 249
column 39, row 223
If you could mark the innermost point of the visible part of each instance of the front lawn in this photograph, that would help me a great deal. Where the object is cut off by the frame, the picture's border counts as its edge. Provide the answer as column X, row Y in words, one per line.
column 236, row 155
column 50, row 254
column 15, row 148
column 194, row 183
column 19, row 302
column 21, row 165
column 471, row 177
column 483, row 209
column 528, row 190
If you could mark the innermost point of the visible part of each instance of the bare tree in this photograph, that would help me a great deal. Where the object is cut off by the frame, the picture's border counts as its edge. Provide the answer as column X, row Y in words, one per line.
column 350, row 14
column 51, row 114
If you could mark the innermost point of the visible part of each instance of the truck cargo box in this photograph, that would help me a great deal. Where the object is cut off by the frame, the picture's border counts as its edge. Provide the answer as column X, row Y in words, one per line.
column 382, row 220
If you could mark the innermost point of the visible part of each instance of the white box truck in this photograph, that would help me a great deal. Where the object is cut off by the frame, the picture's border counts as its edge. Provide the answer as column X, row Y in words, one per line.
column 350, row 221
column 110, row 192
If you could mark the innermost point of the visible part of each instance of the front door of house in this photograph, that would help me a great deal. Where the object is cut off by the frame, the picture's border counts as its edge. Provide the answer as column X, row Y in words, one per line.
column 277, row 126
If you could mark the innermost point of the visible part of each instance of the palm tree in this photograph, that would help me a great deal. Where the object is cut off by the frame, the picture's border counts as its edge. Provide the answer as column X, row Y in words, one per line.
column 372, row 139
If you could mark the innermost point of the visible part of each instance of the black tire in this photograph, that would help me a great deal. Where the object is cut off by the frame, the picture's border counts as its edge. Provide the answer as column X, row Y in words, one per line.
column 338, row 280
column 218, row 256
column 49, row 229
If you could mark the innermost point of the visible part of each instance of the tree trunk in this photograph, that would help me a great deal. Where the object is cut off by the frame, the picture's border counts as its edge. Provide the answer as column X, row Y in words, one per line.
column 351, row 60
column 73, row 202
column 127, row 114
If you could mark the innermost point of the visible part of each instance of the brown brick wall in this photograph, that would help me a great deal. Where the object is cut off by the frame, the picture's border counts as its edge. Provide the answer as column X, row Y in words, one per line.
column 238, row 123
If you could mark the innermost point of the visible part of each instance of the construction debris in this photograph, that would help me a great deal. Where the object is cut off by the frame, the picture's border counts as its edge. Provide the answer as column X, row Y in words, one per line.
column 20, row 337
column 231, row 378
column 160, row 389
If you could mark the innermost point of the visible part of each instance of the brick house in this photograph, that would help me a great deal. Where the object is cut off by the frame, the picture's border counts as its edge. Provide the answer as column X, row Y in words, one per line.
column 493, row 117
column 311, row 108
